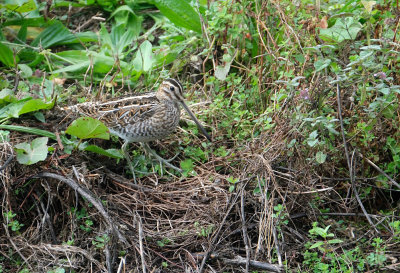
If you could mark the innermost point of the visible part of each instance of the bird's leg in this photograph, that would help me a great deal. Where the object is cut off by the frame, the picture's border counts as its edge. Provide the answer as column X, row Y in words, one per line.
column 159, row 158
column 128, row 159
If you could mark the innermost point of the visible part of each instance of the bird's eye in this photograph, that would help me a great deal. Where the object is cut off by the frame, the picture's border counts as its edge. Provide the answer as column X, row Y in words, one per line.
column 172, row 88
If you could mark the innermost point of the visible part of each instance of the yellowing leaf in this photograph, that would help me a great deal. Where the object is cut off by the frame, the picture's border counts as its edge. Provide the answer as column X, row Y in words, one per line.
column 368, row 5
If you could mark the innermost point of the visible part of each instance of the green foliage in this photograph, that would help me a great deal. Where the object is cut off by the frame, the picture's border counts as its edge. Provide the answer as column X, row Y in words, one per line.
column 101, row 241
column 204, row 231
column 188, row 167
column 31, row 153
column 163, row 242
column 14, row 224
column 180, row 13
column 87, row 127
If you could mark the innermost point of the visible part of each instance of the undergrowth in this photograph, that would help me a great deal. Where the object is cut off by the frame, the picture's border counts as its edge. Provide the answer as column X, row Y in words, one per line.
column 301, row 98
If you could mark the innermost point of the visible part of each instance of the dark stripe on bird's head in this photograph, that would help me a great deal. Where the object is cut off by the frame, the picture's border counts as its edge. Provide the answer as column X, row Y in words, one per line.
column 176, row 83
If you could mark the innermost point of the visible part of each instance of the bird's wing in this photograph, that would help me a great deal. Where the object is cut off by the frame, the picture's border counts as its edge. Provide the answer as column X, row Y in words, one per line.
column 121, row 111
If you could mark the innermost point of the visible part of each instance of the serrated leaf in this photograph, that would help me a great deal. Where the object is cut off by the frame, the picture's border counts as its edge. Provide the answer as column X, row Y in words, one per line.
column 180, row 13
column 31, row 153
column 113, row 153
column 87, row 127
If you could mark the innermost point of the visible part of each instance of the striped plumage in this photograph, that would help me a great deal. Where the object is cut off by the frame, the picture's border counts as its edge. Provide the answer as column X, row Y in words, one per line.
column 141, row 118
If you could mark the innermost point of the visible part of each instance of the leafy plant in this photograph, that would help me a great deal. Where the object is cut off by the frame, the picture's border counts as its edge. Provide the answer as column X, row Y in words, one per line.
column 101, row 241
column 31, row 153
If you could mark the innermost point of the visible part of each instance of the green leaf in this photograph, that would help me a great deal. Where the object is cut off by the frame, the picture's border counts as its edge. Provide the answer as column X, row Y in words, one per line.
column 6, row 55
column 81, row 60
column 344, row 29
column 144, row 57
column 26, row 71
column 321, row 64
column 20, row 6
column 32, row 153
column 180, row 13
column 335, row 241
column 320, row 157
column 187, row 166
column 317, row 244
column 29, row 130
column 87, row 127
column 6, row 95
column 56, row 33
column 35, row 105
column 113, row 153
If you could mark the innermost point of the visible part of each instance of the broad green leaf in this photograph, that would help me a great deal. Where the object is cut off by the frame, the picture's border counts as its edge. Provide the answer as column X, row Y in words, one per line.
column 113, row 153
column 56, row 33
column 320, row 157
column 180, row 13
column 32, row 153
column 344, row 29
column 87, row 127
column 6, row 55
column 35, row 105
column 144, row 57
column 81, row 60
column 29, row 130
column 20, row 6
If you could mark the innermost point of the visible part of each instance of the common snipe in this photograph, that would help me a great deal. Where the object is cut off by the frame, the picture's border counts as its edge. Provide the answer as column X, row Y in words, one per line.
column 142, row 118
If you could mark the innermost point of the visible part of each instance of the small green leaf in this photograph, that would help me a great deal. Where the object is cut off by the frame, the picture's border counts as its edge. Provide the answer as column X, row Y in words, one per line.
column 321, row 64
column 113, row 153
column 320, row 157
column 32, row 153
column 87, row 127
column 317, row 244
column 26, row 71
column 6, row 95
column 187, row 165
column 335, row 241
